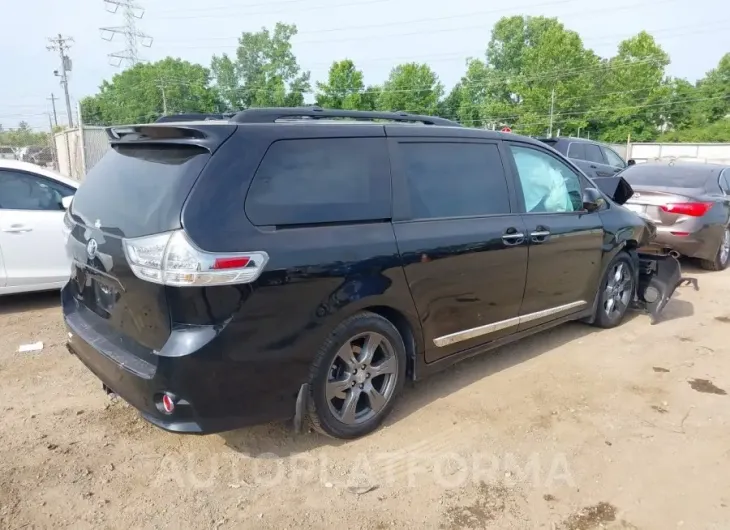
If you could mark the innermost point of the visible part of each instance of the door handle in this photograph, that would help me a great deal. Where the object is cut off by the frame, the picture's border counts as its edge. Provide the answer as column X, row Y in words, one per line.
column 594, row 167
column 513, row 238
column 540, row 234
column 17, row 229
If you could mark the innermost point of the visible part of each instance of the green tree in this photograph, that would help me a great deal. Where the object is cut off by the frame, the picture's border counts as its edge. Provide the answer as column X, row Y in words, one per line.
column 141, row 93
column 413, row 88
column 264, row 73
column 343, row 89
column 714, row 132
column 22, row 136
column 681, row 111
column 714, row 92
column 528, row 60
column 635, row 95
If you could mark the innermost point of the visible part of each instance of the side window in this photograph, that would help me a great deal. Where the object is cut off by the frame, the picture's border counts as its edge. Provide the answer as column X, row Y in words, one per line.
column 613, row 159
column 321, row 181
column 454, row 179
column 548, row 185
column 577, row 151
column 593, row 154
column 22, row 191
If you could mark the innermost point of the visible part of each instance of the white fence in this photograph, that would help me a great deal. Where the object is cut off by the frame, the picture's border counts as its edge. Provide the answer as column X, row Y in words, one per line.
column 708, row 153
column 79, row 149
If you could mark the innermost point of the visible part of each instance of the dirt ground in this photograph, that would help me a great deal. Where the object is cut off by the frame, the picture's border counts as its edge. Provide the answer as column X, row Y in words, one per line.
column 572, row 429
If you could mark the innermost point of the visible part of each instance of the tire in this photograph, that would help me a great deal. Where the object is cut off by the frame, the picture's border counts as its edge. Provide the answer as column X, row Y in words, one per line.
column 722, row 258
column 347, row 401
column 610, row 314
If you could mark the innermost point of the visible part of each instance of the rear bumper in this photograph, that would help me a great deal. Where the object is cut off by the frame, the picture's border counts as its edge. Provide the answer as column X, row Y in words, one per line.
column 215, row 393
column 702, row 244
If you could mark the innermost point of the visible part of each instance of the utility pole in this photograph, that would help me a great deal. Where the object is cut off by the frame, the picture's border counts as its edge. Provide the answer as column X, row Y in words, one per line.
column 60, row 44
column 52, row 140
column 53, row 102
column 164, row 98
column 552, row 108
column 132, row 12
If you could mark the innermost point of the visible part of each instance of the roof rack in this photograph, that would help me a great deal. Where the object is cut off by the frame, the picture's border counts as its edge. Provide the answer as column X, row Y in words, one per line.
column 271, row 115
column 193, row 116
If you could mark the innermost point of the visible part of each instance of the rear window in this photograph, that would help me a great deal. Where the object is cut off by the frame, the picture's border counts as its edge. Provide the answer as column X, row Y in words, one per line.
column 666, row 176
column 454, row 179
column 137, row 190
column 312, row 181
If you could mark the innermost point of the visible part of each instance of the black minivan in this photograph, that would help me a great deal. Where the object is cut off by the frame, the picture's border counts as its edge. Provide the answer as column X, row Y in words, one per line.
column 304, row 263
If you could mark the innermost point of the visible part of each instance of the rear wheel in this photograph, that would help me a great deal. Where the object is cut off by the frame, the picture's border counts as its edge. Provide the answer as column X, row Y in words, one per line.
column 356, row 377
column 617, row 292
column 722, row 258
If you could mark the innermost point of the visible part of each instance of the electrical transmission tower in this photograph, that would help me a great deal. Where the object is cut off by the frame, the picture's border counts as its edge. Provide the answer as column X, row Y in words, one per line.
column 133, row 37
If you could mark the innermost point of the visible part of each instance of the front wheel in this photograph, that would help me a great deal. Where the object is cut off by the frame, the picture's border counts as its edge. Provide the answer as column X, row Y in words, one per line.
column 722, row 258
column 356, row 377
column 616, row 292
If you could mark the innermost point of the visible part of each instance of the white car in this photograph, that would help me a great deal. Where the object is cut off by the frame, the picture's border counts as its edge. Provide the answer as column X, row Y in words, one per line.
column 33, row 201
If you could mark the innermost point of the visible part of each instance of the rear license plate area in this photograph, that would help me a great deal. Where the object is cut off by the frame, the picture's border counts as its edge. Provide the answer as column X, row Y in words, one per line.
column 94, row 291
column 105, row 296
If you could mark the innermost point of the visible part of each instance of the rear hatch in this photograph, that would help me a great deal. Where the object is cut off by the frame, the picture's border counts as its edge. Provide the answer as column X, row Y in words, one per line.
column 137, row 189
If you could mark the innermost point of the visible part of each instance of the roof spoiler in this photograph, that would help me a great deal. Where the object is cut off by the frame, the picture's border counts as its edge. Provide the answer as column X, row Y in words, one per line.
column 271, row 115
column 207, row 136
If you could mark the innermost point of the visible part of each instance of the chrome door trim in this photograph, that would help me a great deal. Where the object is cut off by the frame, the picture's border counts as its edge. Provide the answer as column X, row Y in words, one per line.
column 503, row 324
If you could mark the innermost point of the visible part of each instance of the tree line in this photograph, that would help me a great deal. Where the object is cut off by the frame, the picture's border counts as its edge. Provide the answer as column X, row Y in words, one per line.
column 534, row 73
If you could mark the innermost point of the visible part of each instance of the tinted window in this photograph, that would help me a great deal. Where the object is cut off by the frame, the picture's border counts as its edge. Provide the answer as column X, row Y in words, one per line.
column 454, row 179
column 577, row 150
column 613, row 159
column 23, row 191
column 676, row 176
column 321, row 181
column 593, row 154
column 548, row 185
column 139, row 190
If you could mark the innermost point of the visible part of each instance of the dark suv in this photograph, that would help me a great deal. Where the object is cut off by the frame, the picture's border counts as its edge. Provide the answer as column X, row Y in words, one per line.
column 291, row 263
column 595, row 159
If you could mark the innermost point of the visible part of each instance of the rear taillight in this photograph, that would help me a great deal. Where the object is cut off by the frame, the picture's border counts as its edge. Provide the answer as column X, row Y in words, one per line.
column 171, row 259
column 693, row 209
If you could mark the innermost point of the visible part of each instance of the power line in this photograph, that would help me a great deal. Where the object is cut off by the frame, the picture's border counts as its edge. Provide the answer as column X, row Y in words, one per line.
column 61, row 45
column 428, row 19
column 132, row 12
column 420, row 32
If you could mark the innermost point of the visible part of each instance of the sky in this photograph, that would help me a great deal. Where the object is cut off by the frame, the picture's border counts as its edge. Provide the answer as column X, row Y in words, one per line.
column 375, row 34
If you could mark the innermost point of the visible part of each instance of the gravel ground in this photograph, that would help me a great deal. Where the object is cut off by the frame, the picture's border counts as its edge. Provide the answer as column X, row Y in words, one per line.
column 572, row 429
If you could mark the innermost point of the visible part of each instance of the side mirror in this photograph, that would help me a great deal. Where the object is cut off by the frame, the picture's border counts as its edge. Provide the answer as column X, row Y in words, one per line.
column 592, row 199
column 66, row 202
column 631, row 162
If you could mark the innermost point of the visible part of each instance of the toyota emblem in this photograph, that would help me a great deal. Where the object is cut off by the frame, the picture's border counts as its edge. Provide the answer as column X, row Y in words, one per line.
column 91, row 247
